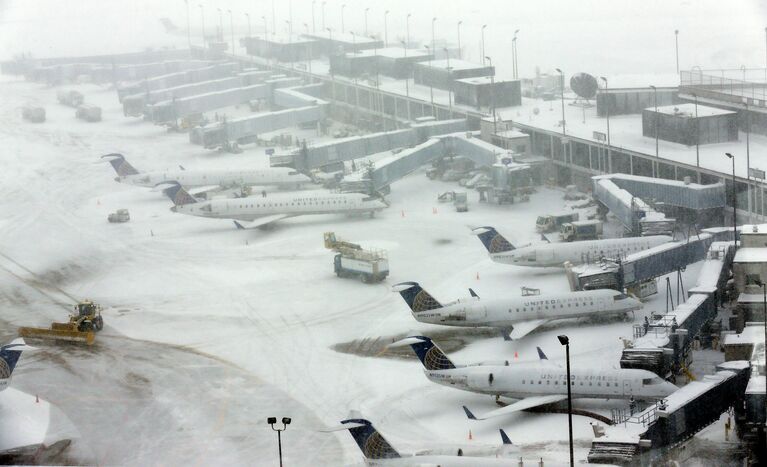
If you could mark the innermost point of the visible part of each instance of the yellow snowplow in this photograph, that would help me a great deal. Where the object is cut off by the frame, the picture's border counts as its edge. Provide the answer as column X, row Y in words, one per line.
column 82, row 326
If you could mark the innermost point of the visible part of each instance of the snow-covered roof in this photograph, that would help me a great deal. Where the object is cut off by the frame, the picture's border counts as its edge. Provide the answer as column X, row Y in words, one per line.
column 455, row 64
column 391, row 52
column 753, row 333
column 688, row 111
column 512, row 134
column 751, row 255
column 481, row 80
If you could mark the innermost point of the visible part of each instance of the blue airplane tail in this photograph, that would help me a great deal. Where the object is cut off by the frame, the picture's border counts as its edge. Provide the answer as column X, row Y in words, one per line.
column 493, row 241
column 372, row 444
column 416, row 297
column 121, row 166
column 177, row 194
column 9, row 356
column 430, row 355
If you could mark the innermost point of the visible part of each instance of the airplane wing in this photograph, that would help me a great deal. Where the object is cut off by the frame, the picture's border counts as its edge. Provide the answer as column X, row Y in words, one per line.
column 524, row 404
column 202, row 189
column 261, row 221
column 526, row 327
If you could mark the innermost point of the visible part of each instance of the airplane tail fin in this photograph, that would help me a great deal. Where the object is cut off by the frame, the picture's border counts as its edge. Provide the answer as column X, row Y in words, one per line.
column 416, row 297
column 9, row 356
column 372, row 443
column 121, row 166
column 431, row 356
column 504, row 437
column 493, row 241
column 177, row 193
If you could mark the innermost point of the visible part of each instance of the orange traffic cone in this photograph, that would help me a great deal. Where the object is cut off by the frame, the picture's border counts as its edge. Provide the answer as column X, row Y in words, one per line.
column 470, row 437
column 37, row 399
column 516, row 355
column 477, row 275
column 433, row 210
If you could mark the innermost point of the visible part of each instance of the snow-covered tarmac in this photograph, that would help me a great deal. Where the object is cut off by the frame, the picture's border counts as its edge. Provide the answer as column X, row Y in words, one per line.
column 212, row 329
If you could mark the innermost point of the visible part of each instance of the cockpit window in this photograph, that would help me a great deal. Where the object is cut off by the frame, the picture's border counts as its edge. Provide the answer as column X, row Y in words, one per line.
column 620, row 296
column 651, row 381
column 540, row 221
column 206, row 208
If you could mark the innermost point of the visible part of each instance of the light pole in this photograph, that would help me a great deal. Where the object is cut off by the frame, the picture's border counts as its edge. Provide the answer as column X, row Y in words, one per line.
column 250, row 31
column 459, row 39
column 386, row 28
column 564, row 340
column 285, row 422
column 274, row 20
column 231, row 28
column 202, row 18
column 748, row 156
column 220, row 25
column 332, row 75
column 407, row 81
column 607, row 106
column 407, row 30
column 492, row 86
column 431, row 87
column 676, row 40
column 562, row 91
column 449, row 84
column 366, row 20
column 697, row 135
column 188, row 27
column 483, row 42
column 342, row 17
column 433, row 42
column 764, row 321
column 266, row 28
column 657, row 119
column 734, row 202
column 514, row 54
column 322, row 10
column 314, row 27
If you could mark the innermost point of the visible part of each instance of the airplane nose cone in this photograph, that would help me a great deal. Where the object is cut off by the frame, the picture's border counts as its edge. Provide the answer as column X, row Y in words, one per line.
column 173, row 209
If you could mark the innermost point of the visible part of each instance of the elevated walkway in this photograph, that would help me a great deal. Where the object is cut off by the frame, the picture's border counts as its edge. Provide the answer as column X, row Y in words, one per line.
column 653, row 433
column 342, row 150
column 300, row 108
column 392, row 168
column 627, row 197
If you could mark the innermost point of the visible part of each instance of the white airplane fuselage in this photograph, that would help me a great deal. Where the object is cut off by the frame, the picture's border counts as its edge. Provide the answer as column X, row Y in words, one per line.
column 278, row 176
column 504, row 313
column 556, row 254
column 439, row 460
column 287, row 204
column 523, row 380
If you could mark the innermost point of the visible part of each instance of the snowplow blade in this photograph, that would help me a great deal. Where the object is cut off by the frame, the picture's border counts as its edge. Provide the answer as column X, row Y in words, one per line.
column 59, row 331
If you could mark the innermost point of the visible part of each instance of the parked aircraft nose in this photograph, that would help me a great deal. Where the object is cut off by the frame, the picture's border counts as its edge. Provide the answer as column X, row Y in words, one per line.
column 173, row 209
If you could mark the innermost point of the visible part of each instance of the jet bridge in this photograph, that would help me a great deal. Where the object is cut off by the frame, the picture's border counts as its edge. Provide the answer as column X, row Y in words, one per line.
column 324, row 154
column 205, row 72
column 169, row 111
column 655, row 433
column 627, row 197
column 301, row 108
column 392, row 168
column 662, row 344
column 135, row 105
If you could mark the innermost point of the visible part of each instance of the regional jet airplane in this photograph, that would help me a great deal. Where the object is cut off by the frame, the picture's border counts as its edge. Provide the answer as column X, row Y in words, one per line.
column 556, row 254
column 535, row 384
column 9, row 356
column 515, row 316
column 205, row 180
column 378, row 452
column 260, row 211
